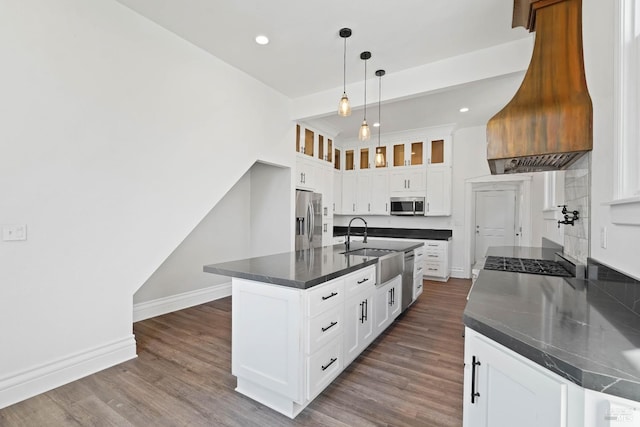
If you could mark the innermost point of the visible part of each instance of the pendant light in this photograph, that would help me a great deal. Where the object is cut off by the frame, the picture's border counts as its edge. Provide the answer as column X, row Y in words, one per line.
column 379, row 155
column 365, row 133
column 344, row 109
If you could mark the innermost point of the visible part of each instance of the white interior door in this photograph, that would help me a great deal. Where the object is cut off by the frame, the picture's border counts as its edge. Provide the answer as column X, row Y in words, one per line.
column 495, row 223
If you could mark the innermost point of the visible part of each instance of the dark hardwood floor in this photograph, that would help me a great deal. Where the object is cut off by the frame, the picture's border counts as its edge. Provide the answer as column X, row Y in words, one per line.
column 409, row 376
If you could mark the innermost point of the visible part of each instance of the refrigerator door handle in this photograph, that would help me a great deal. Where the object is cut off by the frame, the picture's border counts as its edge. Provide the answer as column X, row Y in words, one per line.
column 311, row 223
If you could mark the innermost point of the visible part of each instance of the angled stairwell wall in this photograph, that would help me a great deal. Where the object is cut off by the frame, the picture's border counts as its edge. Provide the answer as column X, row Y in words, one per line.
column 118, row 137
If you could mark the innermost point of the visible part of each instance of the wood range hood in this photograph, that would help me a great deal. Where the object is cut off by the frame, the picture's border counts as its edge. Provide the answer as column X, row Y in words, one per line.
column 548, row 124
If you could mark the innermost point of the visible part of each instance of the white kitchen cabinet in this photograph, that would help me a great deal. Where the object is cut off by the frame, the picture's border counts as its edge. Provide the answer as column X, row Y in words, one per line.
column 379, row 192
column 327, row 231
column 409, row 181
column 363, row 193
column 437, row 259
column 349, row 193
column 358, row 314
column 306, row 170
column 359, row 322
column 372, row 192
column 438, row 190
column 337, row 192
column 388, row 302
column 418, row 271
column 504, row 389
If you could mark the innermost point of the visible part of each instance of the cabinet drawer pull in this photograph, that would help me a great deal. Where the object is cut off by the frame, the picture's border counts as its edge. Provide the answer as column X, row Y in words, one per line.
column 474, row 393
column 433, row 246
column 419, row 268
column 333, row 294
column 329, row 327
column 333, row 360
column 360, row 282
column 432, row 269
column 420, row 286
column 419, row 255
column 432, row 256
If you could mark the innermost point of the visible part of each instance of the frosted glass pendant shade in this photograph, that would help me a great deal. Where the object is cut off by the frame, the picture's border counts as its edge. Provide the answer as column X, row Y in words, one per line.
column 344, row 108
column 379, row 158
column 365, row 132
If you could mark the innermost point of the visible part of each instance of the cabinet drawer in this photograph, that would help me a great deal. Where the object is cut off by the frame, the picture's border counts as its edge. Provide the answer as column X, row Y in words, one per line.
column 434, row 246
column 323, row 366
column 434, row 256
column 433, row 270
column 419, row 254
column 360, row 280
column 325, row 297
column 324, row 328
column 417, row 285
column 418, row 268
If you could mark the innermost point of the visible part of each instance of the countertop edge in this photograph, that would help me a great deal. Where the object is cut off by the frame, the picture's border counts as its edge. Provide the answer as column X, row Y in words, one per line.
column 615, row 386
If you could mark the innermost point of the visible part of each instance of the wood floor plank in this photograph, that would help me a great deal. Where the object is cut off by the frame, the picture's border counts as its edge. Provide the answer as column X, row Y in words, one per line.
column 411, row 375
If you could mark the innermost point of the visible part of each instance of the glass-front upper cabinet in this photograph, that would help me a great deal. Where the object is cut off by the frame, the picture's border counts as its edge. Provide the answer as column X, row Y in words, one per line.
column 364, row 158
column 436, row 152
column 336, row 157
column 408, row 154
column 329, row 151
column 321, row 147
column 349, row 160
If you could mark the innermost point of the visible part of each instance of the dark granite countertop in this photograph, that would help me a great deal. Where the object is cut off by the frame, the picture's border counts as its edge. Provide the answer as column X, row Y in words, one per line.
column 569, row 326
column 397, row 233
column 307, row 268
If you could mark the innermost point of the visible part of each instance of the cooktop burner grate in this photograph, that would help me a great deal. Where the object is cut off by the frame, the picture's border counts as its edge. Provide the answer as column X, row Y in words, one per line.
column 524, row 265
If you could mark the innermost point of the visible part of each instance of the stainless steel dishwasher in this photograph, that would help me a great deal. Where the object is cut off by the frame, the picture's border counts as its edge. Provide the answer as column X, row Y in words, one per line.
column 407, row 280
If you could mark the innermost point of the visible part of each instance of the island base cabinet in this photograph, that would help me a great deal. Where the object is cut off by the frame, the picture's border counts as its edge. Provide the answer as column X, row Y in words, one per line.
column 267, row 355
column 504, row 389
column 359, row 323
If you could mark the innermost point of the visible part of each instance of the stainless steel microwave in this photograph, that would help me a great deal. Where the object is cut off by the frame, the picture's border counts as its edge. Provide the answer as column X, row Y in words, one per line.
column 407, row 206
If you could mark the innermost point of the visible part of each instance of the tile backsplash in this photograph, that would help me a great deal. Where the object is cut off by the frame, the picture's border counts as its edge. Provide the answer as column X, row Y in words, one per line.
column 623, row 288
column 577, row 193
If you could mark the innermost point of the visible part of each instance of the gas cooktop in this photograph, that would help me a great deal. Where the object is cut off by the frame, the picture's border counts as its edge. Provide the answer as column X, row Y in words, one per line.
column 523, row 265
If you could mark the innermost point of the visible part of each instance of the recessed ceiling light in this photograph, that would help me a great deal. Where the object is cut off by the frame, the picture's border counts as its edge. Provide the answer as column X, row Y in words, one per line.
column 376, row 125
column 464, row 109
column 262, row 40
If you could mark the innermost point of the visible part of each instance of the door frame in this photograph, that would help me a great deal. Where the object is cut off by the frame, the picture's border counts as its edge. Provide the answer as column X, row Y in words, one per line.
column 520, row 182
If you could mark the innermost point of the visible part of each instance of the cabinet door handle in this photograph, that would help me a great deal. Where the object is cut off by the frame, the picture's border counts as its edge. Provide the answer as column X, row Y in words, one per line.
column 354, row 207
column 362, row 281
column 329, row 327
column 385, row 207
column 369, row 207
column 427, row 206
column 334, row 207
column 391, row 296
column 333, row 294
column 408, row 183
column 474, row 393
column 325, row 367
column 366, row 310
column 362, row 312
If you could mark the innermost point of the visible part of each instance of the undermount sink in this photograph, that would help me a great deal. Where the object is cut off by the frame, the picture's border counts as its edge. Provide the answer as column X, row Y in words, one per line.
column 370, row 252
column 390, row 262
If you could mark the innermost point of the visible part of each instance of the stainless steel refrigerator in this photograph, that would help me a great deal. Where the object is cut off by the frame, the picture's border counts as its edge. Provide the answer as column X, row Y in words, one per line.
column 308, row 220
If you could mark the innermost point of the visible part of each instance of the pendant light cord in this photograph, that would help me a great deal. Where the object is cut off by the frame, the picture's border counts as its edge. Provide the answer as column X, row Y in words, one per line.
column 344, row 68
column 379, row 98
column 365, row 89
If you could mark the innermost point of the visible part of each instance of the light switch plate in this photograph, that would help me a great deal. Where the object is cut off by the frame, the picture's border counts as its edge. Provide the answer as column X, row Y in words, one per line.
column 14, row 232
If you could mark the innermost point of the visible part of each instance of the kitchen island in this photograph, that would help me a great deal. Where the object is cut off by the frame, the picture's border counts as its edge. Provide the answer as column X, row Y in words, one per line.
column 299, row 318
column 547, row 349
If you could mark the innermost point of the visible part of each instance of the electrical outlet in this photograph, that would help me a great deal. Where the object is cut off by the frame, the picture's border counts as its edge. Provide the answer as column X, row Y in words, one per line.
column 14, row 232
column 603, row 237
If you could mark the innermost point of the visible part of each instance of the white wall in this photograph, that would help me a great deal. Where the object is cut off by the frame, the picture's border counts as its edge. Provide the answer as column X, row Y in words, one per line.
column 621, row 252
column 117, row 139
column 221, row 236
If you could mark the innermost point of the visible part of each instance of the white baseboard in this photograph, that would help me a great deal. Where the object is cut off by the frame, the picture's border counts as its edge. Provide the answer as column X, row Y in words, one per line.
column 40, row 379
column 458, row 273
column 157, row 307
